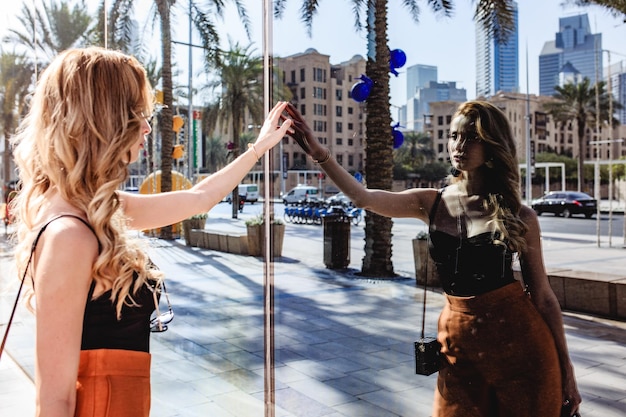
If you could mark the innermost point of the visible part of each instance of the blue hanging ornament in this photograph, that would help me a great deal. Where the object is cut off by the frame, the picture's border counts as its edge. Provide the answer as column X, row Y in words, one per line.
column 361, row 90
column 398, row 136
column 397, row 59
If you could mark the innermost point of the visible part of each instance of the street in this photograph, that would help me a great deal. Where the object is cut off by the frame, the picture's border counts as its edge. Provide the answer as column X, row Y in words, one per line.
column 408, row 228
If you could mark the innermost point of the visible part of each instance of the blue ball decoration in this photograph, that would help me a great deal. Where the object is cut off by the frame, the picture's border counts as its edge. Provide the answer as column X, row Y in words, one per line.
column 398, row 136
column 397, row 59
column 361, row 90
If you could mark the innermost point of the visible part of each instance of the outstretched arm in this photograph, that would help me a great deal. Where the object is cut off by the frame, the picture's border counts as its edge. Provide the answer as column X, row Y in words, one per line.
column 409, row 203
column 147, row 211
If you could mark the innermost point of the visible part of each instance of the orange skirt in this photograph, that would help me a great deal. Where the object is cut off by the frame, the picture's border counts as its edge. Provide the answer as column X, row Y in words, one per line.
column 113, row 383
column 500, row 358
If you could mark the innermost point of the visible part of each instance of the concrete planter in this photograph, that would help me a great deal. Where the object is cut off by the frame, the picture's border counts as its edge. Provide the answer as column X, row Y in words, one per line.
column 190, row 224
column 256, row 238
column 424, row 264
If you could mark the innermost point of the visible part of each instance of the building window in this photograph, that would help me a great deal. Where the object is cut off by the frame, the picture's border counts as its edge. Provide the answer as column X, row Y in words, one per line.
column 350, row 160
column 338, row 94
column 339, row 141
column 302, row 75
column 339, row 159
column 440, row 134
column 338, row 111
column 293, row 76
column 302, row 93
column 319, row 75
column 339, row 127
column 350, row 110
column 448, row 119
column 350, row 142
column 440, row 120
column 350, row 126
column 319, row 109
column 302, row 109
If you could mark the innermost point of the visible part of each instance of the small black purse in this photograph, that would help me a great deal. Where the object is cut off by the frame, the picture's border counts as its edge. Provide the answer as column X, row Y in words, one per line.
column 427, row 355
column 427, row 349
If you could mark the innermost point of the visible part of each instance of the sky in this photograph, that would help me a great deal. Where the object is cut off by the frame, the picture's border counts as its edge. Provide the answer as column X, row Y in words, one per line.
column 447, row 43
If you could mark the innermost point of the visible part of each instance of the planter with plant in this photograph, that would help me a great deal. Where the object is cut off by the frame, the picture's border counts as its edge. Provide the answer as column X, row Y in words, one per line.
column 423, row 264
column 197, row 221
column 256, row 235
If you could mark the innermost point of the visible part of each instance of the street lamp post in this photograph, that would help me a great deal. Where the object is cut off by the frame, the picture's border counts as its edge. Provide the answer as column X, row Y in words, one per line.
column 597, row 184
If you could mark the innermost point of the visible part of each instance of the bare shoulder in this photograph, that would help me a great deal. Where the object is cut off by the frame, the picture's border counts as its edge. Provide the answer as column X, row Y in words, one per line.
column 529, row 217
column 69, row 234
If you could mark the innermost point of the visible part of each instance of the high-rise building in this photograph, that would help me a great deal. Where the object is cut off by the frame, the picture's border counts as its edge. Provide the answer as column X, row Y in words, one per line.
column 412, row 115
column 419, row 76
column 618, row 87
column 574, row 51
column 497, row 64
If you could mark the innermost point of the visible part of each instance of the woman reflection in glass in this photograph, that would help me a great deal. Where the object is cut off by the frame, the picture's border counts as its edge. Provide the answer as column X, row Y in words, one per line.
column 503, row 344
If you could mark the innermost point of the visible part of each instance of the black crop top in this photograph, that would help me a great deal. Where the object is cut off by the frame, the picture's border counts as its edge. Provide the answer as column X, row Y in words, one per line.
column 101, row 328
column 467, row 265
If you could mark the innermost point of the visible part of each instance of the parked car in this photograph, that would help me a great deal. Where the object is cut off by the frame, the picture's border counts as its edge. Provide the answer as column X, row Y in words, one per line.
column 566, row 204
column 249, row 193
column 339, row 198
column 301, row 193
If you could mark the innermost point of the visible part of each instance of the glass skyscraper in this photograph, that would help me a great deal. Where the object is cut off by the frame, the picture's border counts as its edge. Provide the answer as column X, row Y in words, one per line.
column 574, row 47
column 497, row 64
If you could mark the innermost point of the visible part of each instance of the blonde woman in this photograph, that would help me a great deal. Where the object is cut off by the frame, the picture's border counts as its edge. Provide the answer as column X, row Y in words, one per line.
column 503, row 344
column 92, row 286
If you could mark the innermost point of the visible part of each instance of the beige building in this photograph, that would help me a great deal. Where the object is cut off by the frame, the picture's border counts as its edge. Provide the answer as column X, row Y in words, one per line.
column 545, row 134
column 321, row 92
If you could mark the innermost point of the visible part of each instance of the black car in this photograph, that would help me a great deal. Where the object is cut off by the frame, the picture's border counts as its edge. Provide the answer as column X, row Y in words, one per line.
column 566, row 204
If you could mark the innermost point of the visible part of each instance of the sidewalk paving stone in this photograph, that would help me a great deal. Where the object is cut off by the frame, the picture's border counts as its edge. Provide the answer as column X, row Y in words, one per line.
column 343, row 343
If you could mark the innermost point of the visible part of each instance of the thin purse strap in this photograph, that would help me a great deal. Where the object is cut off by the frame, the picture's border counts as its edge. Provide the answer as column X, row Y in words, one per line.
column 431, row 216
column 425, row 286
column 30, row 258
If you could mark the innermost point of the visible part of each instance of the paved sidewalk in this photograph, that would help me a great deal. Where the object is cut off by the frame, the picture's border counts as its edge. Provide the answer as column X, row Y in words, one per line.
column 343, row 343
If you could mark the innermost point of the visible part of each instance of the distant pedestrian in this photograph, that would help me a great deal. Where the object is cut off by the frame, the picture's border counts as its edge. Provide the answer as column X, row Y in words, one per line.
column 503, row 344
column 94, row 286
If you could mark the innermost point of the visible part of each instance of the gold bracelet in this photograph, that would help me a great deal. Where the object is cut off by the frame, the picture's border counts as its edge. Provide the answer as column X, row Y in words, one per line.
column 326, row 158
column 251, row 146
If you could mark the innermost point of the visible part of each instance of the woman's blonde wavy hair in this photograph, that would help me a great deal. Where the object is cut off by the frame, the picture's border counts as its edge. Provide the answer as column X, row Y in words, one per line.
column 86, row 113
column 503, row 201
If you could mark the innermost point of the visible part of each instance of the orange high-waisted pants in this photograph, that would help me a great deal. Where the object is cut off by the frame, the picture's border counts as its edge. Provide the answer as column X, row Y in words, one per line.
column 499, row 358
column 113, row 383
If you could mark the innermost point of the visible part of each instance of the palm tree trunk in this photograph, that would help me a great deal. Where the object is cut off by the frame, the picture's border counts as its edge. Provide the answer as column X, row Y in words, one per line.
column 581, row 155
column 379, row 155
column 166, row 125
column 236, row 126
column 6, row 155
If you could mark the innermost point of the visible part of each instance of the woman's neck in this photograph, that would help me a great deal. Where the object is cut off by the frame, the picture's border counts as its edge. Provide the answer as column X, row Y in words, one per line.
column 473, row 184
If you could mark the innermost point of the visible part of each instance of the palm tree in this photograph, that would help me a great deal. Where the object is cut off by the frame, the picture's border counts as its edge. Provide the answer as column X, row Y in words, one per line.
column 420, row 148
column 239, row 75
column 59, row 26
column 616, row 7
column 495, row 15
column 577, row 102
column 15, row 80
column 202, row 17
column 215, row 153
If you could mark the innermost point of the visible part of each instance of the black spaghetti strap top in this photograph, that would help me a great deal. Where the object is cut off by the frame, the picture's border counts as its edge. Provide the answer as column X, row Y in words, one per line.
column 467, row 266
column 101, row 328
